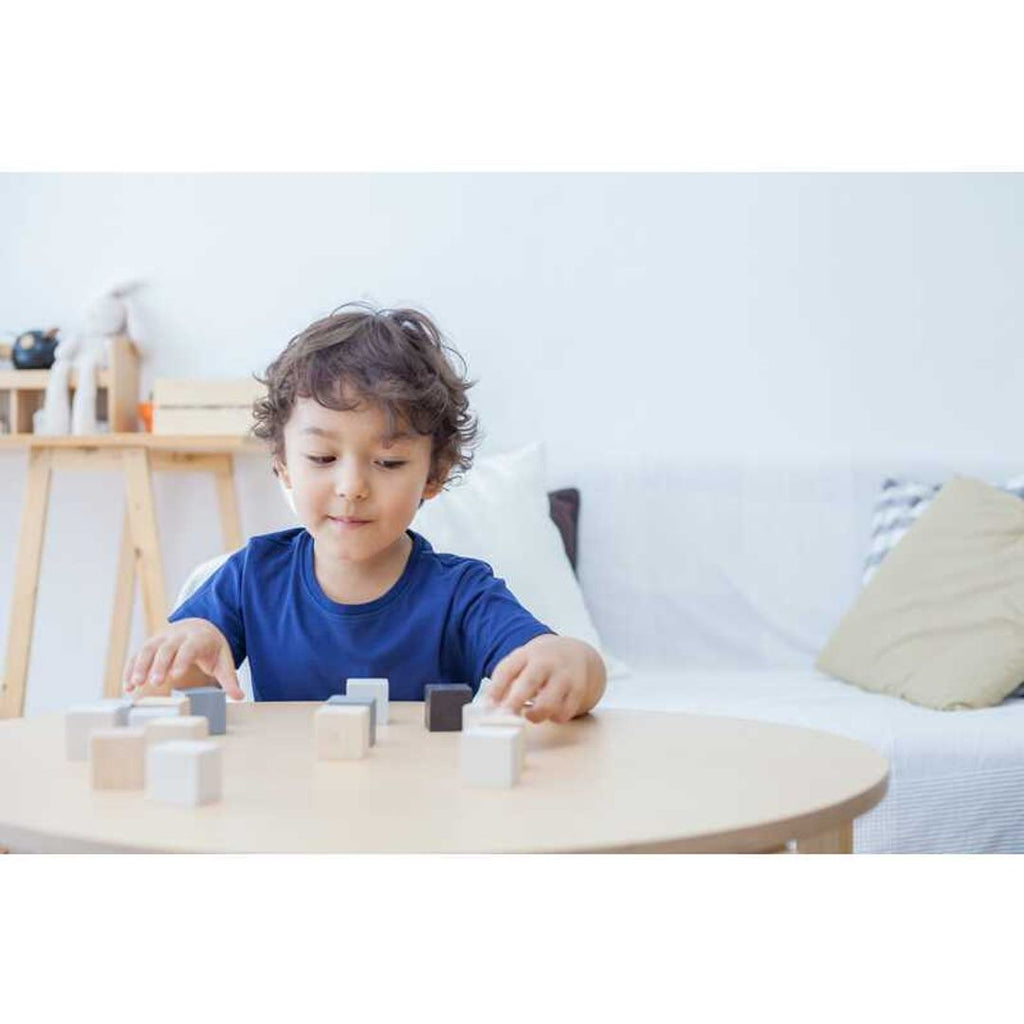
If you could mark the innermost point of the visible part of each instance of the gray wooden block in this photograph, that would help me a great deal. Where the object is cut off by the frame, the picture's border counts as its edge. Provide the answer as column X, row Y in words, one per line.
column 442, row 705
column 341, row 698
column 211, row 703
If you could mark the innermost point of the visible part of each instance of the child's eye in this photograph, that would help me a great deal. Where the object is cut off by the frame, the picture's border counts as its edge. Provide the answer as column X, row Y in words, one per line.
column 391, row 463
column 320, row 460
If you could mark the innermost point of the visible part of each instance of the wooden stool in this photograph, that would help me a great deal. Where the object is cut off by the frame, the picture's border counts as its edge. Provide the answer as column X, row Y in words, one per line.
column 137, row 456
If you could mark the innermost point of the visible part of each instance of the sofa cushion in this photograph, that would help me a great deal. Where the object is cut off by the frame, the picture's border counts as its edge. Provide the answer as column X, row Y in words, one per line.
column 942, row 621
column 898, row 506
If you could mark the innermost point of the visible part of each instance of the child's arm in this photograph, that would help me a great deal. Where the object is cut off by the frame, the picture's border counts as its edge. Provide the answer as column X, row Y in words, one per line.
column 563, row 677
column 183, row 654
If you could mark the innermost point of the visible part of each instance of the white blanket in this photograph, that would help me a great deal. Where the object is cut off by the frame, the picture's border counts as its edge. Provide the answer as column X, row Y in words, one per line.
column 956, row 780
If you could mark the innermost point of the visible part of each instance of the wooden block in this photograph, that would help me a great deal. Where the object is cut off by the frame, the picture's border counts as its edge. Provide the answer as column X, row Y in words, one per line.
column 175, row 701
column 376, row 688
column 117, row 758
column 490, row 717
column 443, row 704
column 168, row 728
column 490, row 756
column 342, row 731
column 208, row 701
column 239, row 711
column 187, row 772
column 368, row 702
column 81, row 719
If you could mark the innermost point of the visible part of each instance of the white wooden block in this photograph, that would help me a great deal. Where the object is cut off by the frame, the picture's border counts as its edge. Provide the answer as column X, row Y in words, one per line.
column 148, row 708
column 375, row 688
column 490, row 756
column 187, row 772
column 117, row 758
column 168, row 728
column 81, row 719
column 482, row 715
column 342, row 731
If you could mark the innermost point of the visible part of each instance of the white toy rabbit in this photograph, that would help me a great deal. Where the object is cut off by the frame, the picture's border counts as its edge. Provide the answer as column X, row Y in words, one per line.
column 87, row 350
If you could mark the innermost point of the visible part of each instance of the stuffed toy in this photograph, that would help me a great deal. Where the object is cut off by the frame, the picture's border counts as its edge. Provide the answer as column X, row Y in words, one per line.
column 86, row 349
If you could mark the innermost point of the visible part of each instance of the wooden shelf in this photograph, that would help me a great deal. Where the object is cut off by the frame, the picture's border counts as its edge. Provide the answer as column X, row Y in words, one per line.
column 152, row 442
column 36, row 380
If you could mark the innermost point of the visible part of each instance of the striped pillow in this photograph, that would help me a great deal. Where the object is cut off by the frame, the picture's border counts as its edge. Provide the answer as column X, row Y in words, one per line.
column 899, row 505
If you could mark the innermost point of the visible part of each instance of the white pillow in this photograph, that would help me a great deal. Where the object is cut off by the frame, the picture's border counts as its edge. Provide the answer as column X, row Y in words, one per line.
column 499, row 512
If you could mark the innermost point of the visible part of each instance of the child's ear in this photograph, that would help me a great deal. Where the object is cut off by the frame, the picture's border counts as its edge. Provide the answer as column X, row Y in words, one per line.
column 281, row 472
column 435, row 484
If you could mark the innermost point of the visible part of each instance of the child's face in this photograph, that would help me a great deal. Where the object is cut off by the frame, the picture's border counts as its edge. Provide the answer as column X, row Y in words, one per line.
column 340, row 465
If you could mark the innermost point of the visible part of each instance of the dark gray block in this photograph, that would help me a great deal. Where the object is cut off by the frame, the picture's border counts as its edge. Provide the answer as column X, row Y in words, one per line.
column 211, row 703
column 442, row 704
column 340, row 698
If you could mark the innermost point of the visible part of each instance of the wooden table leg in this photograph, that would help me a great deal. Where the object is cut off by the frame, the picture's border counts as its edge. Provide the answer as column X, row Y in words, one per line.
column 121, row 618
column 145, row 538
column 227, row 501
column 839, row 840
column 26, row 583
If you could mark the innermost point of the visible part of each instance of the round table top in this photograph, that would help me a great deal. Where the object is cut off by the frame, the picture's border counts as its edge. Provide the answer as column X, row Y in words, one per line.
column 614, row 780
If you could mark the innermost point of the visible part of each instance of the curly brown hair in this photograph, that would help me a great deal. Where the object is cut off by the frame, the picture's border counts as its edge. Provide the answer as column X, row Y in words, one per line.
column 395, row 359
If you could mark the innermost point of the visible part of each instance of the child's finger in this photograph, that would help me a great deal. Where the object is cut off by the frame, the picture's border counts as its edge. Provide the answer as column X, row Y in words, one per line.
column 161, row 662
column 126, row 676
column 224, row 673
column 547, row 704
column 527, row 683
column 142, row 662
column 186, row 657
column 505, row 672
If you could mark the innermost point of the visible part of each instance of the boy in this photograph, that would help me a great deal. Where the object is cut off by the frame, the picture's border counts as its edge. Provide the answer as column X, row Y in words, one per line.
column 366, row 419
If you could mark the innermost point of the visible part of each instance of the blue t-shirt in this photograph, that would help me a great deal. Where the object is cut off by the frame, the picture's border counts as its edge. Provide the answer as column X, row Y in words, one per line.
column 447, row 620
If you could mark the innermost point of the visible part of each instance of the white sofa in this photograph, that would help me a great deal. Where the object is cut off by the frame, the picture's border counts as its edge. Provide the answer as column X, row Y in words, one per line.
column 717, row 584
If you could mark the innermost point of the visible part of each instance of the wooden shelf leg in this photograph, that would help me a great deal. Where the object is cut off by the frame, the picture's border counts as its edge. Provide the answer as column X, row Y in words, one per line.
column 121, row 617
column 839, row 840
column 145, row 538
column 227, row 500
column 26, row 583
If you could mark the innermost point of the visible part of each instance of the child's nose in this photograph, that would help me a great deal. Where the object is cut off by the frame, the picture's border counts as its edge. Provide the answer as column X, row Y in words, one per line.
column 351, row 482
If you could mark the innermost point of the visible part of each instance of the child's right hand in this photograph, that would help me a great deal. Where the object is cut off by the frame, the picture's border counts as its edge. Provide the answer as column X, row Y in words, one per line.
column 166, row 657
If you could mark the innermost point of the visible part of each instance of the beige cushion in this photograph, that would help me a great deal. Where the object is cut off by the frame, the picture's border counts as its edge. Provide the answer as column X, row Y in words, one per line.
column 942, row 621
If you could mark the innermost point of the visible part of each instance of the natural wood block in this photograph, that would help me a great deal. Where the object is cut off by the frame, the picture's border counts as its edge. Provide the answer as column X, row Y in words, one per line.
column 443, row 704
column 117, row 758
column 341, row 731
column 490, row 756
column 168, row 728
column 187, row 772
column 81, row 719
column 375, row 688
column 369, row 702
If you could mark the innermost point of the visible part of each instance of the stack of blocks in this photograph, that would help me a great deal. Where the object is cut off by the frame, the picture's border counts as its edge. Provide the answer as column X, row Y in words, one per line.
column 125, row 743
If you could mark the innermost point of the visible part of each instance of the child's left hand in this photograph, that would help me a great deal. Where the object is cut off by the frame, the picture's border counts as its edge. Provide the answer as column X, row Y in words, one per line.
column 552, row 671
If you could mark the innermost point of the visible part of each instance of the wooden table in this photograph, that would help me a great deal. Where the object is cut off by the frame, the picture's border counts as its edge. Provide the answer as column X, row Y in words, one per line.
column 137, row 456
column 626, row 781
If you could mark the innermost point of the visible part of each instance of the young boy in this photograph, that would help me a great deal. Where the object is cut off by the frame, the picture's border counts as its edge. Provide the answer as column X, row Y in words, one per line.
column 366, row 419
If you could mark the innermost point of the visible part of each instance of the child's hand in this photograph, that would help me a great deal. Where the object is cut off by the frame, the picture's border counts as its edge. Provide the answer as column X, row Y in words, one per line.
column 166, row 656
column 549, row 670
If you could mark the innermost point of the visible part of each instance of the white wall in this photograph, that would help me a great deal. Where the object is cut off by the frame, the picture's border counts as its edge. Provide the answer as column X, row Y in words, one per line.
column 624, row 319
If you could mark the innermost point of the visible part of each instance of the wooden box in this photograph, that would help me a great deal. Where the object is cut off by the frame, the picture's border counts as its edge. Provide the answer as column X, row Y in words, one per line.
column 22, row 392
column 204, row 406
